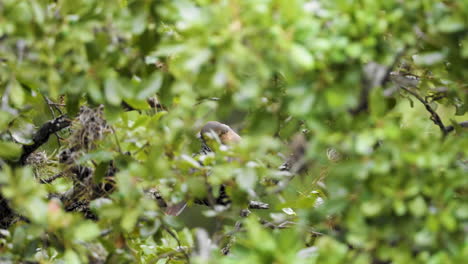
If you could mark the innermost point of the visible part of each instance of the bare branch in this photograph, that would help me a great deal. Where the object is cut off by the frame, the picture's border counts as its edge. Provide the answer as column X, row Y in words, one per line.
column 43, row 134
column 451, row 128
column 258, row 205
column 180, row 248
column 215, row 99
column 52, row 105
column 51, row 179
column 434, row 116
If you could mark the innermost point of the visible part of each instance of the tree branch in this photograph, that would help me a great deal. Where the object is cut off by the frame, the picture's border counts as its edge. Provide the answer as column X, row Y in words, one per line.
column 51, row 179
column 434, row 116
column 43, row 134
column 179, row 247
column 451, row 128
column 258, row 205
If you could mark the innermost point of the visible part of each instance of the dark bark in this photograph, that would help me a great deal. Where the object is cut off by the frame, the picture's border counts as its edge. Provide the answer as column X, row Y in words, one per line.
column 85, row 189
column 434, row 116
column 42, row 135
column 7, row 216
column 451, row 128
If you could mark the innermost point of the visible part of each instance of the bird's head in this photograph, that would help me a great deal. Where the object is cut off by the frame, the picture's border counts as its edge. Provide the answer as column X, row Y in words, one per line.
column 225, row 134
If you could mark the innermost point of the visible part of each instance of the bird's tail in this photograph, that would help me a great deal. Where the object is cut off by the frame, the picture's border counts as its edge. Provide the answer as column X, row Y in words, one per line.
column 176, row 209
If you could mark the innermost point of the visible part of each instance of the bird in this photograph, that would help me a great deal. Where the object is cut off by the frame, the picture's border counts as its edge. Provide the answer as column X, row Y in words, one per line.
column 223, row 132
column 209, row 134
column 296, row 162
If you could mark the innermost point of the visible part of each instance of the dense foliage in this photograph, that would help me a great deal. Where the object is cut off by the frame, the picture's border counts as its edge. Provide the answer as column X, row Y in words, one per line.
column 101, row 103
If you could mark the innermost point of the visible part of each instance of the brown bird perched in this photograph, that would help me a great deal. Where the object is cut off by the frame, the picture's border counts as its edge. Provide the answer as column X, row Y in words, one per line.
column 209, row 133
column 225, row 134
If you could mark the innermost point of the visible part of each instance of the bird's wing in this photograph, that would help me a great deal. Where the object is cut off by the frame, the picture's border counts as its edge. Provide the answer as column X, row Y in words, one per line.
column 176, row 209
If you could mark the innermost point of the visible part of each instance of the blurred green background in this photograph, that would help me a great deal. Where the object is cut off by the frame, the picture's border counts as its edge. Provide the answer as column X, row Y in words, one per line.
column 393, row 185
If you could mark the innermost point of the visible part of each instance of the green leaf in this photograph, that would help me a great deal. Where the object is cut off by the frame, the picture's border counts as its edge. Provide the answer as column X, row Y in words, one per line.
column 371, row 208
column 111, row 90
column 451, row 24
column 377, row 102
column 246, row 179
column 17, row 94
column 417, row 206
column 399, row 207
column 100, row 172
column 97, row 156
column 10, row 150
column 137, row 104
column 150, row 87
column 129, row 219
column 5, row 118
column 86, row 231
column 71, row 257
column 302, row 57
column 429, row 58
column 38, row 12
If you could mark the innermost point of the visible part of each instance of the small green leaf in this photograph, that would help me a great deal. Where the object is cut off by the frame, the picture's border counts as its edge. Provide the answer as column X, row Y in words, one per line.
column 151, row 86
column 111, row 90
column 429, row 58
column 399, row 207
column 38, row 12
column 71, row 257
column 418, row 206
column 17, row 94
column 9, row 150
column 86, row 231
column 246, row 178
column 97, row 156
column 302, row 57
column 371, row 208
column 129, row 219
column 5, row 118
column 137, row 104
column 451, row 24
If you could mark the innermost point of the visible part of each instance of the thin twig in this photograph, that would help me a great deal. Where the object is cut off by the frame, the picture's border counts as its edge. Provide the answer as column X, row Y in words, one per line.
column 434, row 116
column 51, row 179
column 230, row 235
column 258, row 205
column 207, row 99
column 140, row 149
column 451, row 128
column 116, row 139
column 55, row 105
column 105, row 232
column 178, row 242
column 50, row 103
column 283, row 225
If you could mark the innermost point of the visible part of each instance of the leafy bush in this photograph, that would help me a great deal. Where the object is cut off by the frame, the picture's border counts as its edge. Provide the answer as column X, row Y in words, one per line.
column 101, row 103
